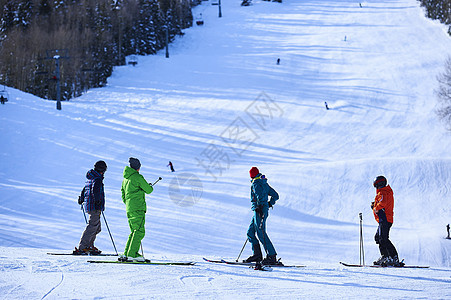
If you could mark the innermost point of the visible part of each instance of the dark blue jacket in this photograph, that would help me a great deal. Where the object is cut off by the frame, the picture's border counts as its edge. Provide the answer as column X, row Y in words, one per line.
column 260, row 190
column 94, row 193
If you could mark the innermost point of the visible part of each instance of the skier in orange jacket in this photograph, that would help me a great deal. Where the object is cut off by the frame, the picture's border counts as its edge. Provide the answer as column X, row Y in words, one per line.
column 383, row 213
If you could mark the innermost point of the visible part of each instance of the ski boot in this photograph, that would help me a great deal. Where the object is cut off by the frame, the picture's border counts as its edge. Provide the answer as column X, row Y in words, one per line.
column 257, row 257
column 394, row 262
column 94, row 251
column 381, row 261
column 80, row 251
column 254, row 258
column 122, row 257
column 271, row 260
column 258, row 266
column 139, row 258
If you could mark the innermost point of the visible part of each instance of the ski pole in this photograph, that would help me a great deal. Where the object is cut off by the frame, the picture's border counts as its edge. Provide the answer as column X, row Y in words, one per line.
column 84, row 214
column 159, row 178
column 362, row 252
column 242, row 250
column 142, row 250
column 264, row 234
column 106, row 223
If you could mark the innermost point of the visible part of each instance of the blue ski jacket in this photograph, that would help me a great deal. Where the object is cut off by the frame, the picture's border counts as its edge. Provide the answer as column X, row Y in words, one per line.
column 260, row 190
column 94, row 192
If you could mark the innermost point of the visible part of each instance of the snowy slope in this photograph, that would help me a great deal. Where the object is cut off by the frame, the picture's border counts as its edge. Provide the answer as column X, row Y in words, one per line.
column 219, row 105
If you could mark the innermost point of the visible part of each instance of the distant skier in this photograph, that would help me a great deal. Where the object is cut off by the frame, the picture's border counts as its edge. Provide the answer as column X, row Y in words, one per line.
column 327, row 106
column 383, row 213
column 447, row 229
column 260, row 190
column 171, row 166
column 278, row 61
column 134, row 187
column 94, row 199
column 2, row 99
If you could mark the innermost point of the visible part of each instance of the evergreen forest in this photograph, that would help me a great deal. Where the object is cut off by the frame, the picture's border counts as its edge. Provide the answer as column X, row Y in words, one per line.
column 86, row 38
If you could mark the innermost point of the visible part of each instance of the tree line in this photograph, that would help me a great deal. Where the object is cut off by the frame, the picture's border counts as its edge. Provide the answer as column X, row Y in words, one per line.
column 92, row 37
column 441, row 10
column 438, row 10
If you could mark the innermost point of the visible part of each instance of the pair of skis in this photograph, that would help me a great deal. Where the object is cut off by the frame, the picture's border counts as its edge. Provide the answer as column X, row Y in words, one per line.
column 86, row 254
column 255, row 266
column 379, row 266
column 146, row 262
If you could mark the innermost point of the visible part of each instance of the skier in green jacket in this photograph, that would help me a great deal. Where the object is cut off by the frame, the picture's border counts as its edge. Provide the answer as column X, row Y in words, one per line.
column 134, row 188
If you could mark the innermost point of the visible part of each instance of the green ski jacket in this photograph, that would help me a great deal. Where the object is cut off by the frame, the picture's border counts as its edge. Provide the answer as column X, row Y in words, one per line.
column 134, row 187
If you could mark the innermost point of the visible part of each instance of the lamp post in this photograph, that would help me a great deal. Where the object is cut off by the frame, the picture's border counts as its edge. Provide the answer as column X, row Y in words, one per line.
column 117, row 10
column 167, row 40
column 56, row 56
column 167, row 34
column 58, row 87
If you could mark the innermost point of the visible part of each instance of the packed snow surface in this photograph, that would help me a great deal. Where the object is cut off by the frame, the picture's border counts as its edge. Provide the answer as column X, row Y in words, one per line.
column 218, row 106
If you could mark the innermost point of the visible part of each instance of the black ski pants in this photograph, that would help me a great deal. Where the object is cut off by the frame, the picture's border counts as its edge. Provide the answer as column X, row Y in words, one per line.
column 382, row 239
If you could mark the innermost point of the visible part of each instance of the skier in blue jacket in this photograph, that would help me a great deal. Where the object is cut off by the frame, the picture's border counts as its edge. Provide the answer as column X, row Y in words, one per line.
column 260, row 190
column 94, row 201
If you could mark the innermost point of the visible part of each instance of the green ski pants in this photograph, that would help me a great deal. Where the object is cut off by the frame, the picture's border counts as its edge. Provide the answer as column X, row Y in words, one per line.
column 136, row 221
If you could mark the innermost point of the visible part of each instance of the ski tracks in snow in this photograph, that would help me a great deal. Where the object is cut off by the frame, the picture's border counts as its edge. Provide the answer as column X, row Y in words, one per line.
column 31, row 276
column 196, row 280
column 46, row 267
column 57, row 285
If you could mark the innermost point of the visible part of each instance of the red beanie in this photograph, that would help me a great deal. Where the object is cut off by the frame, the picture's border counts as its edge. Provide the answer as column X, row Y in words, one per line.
column 253, row 172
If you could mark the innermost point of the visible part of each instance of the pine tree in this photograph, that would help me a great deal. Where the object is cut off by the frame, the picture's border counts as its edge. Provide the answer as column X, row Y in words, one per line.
column 44, row 8
column 24, row 13
column 146, row 40
column 8, row 17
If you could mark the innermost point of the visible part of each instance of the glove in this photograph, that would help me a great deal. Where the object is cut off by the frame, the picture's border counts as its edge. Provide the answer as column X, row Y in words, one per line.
column 259, row 210
column 81, row 200
column 372, row 205
column 269, row 204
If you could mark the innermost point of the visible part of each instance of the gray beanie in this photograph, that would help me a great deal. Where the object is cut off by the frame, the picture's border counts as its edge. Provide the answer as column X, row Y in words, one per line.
column 134, row 163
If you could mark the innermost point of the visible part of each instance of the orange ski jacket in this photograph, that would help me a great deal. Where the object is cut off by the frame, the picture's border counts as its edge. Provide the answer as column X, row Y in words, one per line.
column 384, row 200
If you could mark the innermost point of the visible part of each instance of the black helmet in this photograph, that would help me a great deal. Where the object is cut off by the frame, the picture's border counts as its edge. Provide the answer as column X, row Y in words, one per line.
column 100, row 166
column 380, row 182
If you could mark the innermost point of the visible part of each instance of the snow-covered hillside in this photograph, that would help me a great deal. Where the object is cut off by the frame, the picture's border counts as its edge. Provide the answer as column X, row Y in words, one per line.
column 218, row 106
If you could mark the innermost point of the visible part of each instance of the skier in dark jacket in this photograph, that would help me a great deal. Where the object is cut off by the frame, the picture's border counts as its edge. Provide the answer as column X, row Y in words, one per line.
column 94, row 202
column 260, row 190
column 171, row 166
column 383, row 213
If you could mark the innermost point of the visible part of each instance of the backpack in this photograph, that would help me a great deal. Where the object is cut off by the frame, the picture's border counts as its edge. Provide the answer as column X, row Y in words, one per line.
column 81, row 198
